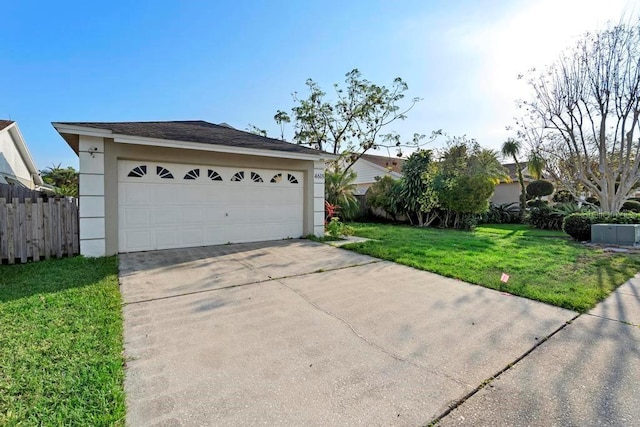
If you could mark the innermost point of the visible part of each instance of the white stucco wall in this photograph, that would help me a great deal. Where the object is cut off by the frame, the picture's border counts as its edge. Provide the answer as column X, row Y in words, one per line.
column 506, row 193
column 367, row 173
column 11, row 162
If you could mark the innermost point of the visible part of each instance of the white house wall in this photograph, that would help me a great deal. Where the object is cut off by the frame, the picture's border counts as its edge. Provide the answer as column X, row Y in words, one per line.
column 11, row 162
column 92, row 200
column 367, row 172
column 506, row 193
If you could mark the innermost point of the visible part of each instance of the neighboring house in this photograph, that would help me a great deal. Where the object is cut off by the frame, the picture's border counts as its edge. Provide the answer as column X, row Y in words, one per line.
column 509, row 192
column 159, row 185
column 16, row 164
column 369, row 167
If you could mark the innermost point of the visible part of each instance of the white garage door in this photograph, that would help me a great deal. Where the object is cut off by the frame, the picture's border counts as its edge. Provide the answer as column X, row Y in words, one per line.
column 167, row 205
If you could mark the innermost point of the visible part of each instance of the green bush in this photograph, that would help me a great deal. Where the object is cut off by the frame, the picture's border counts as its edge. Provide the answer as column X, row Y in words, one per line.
column 563, row 196
column 539, row 188
column 545, row 218
column 592, row 200
column 505, row 213
column 578, row 225
column 336, row 228
column 536, row 203
column 631, row 206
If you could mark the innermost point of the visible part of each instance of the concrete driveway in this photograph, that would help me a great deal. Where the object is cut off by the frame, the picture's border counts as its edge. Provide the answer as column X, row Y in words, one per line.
column 296, row 332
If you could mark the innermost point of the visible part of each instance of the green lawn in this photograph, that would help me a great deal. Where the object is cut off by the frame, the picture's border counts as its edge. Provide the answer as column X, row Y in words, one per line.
column 543, row 265
column 61, row 344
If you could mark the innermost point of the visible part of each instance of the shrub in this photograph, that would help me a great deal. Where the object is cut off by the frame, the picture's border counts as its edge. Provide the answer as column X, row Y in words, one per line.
column 385, row 194
column 631, row 206
column 336, row 228
column 563, row 196
column 578, row 225
column 592, row 200
column 539, row 188
column 505, row 213
column 545, row 218
column 537, row 203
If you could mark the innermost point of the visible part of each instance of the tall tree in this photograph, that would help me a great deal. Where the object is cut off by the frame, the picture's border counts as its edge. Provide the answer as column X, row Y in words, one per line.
column 352, row 123
column 511, row 148
column 466, row 179
column 589, row 103
column 414, row 186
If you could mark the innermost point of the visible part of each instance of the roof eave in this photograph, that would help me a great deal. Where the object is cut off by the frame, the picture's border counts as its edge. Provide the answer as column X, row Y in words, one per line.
column 68, row 131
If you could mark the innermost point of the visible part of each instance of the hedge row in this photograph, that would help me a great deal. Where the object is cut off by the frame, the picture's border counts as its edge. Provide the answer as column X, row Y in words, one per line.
column 578, row 225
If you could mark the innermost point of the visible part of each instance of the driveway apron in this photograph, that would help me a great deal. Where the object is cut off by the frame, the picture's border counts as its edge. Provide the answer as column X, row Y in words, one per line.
column 295, row 332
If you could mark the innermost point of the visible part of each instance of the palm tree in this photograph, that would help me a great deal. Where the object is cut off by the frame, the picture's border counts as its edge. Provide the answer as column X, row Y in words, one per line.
column 535, row 165
column 339, row 189
column 65, row 180
column 511, row 148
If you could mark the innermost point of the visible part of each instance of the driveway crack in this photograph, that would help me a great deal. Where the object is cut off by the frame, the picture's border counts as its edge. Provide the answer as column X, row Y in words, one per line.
column 364, row 339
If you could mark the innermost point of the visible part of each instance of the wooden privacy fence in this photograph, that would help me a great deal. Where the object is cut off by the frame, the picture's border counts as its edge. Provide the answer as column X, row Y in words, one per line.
column 10, row 192
column 35, row 230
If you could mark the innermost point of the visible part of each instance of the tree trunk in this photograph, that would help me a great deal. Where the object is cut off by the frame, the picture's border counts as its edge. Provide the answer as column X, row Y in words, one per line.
column 523, row 190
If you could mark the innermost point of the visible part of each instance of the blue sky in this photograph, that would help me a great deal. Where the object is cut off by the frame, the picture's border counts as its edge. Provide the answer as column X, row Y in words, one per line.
column 239, row 61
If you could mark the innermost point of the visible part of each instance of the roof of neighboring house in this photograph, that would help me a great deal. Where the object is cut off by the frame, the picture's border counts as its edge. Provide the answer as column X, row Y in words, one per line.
column 21, row 145
column 5, row 123
column 513, row 173
column 390, row 163
column 191, row 131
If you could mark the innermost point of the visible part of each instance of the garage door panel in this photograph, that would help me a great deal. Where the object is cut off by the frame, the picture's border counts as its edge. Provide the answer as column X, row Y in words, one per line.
column 135, row 217
column 191, row 237
column 137, row 240
column 192, row 215
column 166, row 238
column 166, row 216
column 160, row 213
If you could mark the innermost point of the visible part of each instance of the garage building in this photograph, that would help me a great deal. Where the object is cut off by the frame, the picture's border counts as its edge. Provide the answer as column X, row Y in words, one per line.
column 161, row 185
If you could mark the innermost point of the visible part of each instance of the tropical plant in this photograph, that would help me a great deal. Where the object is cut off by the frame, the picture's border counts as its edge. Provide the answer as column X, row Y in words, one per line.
column 339, row 191
column 504, row 213
column 385, row 194
column 545, row 218
column 465, row 179
column 65, row 180
column 414, row 186
column 511, row 148
column 535, row 165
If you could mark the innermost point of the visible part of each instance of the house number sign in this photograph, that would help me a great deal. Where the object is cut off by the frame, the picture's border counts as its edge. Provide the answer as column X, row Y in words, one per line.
column 318, row 177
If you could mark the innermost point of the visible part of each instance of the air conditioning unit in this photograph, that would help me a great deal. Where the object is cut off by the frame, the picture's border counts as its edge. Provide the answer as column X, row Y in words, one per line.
column 616, row 234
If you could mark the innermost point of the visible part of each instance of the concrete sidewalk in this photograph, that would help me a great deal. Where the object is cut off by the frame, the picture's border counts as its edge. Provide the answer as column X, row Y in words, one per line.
column 292, row 333
column 588, row 374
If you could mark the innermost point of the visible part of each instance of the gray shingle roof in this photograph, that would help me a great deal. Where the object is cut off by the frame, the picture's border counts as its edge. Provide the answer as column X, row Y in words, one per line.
column 197, row 131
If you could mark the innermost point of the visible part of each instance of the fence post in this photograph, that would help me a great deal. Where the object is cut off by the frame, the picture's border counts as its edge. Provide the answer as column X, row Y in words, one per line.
column 4, row 226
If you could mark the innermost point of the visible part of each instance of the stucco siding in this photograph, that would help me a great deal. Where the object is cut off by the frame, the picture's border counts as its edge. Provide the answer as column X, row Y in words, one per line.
column 506, row 193
column 11, row 162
